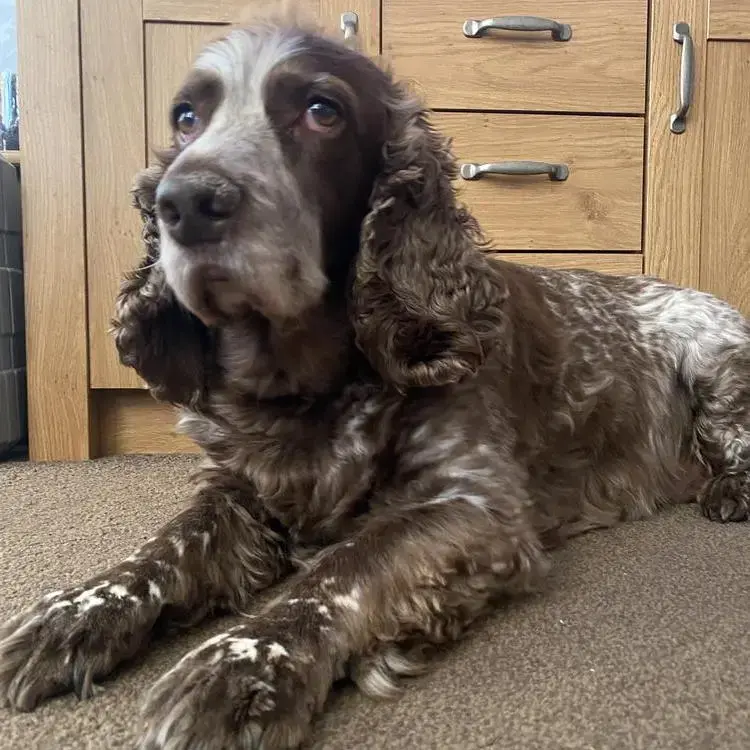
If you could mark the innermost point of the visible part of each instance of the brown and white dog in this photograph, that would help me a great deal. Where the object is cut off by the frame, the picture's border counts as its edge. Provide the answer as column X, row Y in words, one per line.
column 396, row 424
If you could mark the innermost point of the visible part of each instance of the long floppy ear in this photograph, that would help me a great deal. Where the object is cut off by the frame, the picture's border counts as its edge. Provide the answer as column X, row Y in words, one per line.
column 155, row 335
column 427, row 305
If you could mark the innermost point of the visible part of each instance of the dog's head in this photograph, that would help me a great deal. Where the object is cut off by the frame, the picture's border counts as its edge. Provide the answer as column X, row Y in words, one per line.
column 299, row 169
column 278, row 136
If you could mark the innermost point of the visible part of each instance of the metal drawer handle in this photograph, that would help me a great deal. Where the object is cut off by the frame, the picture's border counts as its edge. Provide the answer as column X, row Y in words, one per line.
column 561, row 32
column 350, row 26
column 681, row 35
column 556, row 172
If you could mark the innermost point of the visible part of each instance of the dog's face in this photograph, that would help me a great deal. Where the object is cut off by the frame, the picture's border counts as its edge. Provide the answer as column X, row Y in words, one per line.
column 278, row 138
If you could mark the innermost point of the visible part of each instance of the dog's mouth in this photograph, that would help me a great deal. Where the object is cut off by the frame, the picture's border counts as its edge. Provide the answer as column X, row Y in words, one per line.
column 220, row 298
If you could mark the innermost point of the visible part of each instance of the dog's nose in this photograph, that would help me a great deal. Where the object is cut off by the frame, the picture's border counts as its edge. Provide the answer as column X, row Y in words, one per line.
column 197, row 207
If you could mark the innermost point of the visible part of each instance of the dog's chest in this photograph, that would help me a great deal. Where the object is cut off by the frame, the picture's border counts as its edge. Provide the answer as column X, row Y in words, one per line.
column 313, row 469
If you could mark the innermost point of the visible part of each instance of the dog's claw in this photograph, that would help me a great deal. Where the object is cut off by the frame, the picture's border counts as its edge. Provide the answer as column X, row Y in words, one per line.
column 83, row 684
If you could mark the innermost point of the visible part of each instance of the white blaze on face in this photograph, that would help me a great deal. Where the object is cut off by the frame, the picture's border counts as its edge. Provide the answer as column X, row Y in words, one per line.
column 271, row 255
column 242, row 61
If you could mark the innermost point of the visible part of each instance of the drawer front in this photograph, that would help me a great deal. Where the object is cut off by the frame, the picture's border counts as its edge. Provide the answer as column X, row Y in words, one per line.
column 601, row 68
column 619, row 264
column 598, row 206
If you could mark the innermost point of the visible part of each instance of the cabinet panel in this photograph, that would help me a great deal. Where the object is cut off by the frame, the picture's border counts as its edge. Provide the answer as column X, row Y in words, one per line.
column 115, row 149
column 725, row 242
column 598, row 207
column 53, row 230
column 171, row 49
column 602, row 68
column 195, row 11
column 674, row 162
column 132, row 422
column 327, row 12
column 729, row 19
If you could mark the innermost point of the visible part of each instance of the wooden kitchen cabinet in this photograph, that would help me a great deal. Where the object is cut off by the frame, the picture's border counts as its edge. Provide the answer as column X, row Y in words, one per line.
column 697, row 214
column 725, row 207
column 636, row 195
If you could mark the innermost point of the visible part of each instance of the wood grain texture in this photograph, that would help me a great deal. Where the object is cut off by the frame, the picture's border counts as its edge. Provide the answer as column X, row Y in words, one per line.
column 674, row 171
column 170, row 51
column 328, row 12
column 132, row 422
column 196, row 11
column 597, row 208
column 115, row 147
column 625, row 264
column 729, row 19
column 725, row 237
column 601, row 69
column 53, row 230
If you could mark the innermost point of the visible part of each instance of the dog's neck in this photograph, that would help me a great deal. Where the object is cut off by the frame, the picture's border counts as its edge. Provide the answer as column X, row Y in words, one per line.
column 268, row 360
column 307, row 358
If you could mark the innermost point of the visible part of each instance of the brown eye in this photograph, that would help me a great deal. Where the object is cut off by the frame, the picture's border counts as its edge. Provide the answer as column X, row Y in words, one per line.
column 185, row 120
column 322, row 115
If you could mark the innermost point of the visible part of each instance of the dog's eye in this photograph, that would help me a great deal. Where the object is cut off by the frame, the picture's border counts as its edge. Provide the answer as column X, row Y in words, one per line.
column 185, row 120
column 322, row 115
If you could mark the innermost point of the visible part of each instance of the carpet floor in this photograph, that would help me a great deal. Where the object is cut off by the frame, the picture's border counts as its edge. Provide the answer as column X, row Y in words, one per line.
column 639, row 640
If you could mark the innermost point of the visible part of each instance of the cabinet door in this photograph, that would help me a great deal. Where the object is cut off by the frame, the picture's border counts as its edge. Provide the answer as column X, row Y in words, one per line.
column 128, row 81
column 698, row 190
column 725, row 232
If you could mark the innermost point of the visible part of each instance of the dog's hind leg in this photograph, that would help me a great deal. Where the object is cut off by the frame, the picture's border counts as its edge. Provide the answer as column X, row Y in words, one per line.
column 722, row 434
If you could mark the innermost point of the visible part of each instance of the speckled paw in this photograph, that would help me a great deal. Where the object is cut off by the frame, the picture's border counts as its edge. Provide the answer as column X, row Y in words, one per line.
column 237, row 691
column 68, row 639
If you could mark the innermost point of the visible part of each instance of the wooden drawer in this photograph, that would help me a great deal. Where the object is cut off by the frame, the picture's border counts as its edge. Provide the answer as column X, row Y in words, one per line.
column 602, row 68
column 619, row 264
column 599, row 205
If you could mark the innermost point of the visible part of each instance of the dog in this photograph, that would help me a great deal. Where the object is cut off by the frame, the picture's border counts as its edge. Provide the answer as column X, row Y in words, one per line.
column 395, row 425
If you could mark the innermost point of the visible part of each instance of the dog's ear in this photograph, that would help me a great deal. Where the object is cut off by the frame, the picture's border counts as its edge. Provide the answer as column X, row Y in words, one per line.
column 427, row 305
column 155, row 335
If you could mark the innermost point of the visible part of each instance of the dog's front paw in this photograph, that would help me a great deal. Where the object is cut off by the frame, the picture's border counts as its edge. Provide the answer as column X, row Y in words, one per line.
column 70, row 638
column 238, row 691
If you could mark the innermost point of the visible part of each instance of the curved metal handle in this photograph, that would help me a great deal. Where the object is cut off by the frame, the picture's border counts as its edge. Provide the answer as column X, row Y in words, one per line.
column 561, row 32
column 556, row 172
column 681, row 35
column 350, row 26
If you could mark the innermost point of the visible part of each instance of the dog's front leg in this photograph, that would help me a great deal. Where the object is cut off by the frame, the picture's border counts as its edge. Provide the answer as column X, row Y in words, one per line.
column 419, row 573
column 214, row 554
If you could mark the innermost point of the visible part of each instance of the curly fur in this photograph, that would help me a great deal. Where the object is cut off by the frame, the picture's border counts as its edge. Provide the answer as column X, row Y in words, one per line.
column 172, row 349
column 427, row 308
column 395, row 424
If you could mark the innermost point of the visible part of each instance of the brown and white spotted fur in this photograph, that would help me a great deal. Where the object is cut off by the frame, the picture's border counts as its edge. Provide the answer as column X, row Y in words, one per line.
column 395, row 425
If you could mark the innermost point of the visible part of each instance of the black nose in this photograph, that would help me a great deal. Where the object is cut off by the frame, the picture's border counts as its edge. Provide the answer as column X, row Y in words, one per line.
column 197, row 207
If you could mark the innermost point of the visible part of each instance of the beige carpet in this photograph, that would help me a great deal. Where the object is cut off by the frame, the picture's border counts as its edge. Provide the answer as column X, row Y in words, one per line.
column 642, row 639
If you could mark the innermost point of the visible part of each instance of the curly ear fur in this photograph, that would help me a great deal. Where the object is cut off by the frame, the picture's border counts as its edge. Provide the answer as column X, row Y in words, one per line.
column 163, row 342
column 427, row 306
